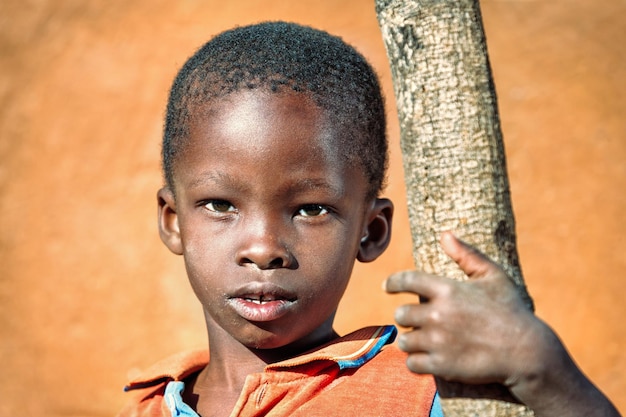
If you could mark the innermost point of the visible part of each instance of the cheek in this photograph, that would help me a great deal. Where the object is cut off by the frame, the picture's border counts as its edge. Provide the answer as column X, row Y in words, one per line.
column 341, row 246
column 332, row 264
column 197, row 278
column 202, row 262
column 202, row 244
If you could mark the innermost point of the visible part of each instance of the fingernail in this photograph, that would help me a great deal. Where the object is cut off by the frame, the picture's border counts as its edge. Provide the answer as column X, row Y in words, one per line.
column 399, row 313
column 401, row 340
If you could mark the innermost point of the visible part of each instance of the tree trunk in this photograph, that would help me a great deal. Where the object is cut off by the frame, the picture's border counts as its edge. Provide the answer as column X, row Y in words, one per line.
column 453, row 154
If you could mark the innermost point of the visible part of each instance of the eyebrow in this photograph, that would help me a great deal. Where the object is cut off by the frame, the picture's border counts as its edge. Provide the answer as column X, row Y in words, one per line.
column 295, row 187
column 215, row 177
column 313, row 184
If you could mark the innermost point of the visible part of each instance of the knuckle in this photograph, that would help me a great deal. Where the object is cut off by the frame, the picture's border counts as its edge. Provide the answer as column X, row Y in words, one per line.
column 405, row 278
column 439, row 339
column 447, row 288
column 434, row 317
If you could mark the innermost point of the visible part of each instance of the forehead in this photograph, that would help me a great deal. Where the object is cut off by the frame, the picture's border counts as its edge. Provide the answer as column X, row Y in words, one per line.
column 259, row 131
column 252, row 112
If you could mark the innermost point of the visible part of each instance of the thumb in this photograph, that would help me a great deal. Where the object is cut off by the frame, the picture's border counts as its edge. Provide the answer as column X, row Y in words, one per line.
column 473, row 262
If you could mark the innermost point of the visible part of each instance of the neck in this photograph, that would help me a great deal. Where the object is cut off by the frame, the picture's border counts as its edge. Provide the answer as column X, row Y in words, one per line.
column 231, row 362
column 215, row 390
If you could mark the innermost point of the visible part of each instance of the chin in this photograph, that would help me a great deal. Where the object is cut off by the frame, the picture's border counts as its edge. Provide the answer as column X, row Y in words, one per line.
column 261, row 339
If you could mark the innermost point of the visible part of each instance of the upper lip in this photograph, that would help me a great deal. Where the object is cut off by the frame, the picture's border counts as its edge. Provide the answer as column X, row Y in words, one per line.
column 263, row 291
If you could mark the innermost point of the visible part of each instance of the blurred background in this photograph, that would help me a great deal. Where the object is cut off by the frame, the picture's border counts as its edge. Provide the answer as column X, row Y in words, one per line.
column 88, row 292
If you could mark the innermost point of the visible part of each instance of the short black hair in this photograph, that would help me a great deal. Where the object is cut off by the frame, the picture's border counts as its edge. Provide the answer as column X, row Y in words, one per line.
column 278, row 56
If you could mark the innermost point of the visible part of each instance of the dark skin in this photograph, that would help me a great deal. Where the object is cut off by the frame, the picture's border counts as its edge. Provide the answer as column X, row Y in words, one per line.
column 270, row 220
column 452, row 338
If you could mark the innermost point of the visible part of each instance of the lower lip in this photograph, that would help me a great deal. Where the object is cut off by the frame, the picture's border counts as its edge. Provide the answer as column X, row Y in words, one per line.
column 267, row 311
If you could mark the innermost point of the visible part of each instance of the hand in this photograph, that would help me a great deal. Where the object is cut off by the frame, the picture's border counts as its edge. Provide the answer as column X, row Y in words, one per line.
column 480, row 331
column 463, row 331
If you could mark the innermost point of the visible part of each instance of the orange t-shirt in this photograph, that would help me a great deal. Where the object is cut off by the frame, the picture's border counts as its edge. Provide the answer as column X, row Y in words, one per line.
column 356, row 375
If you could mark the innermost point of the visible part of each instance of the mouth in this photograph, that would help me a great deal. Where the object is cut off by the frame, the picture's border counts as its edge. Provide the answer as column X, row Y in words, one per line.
column 262, row 303
column 262, row 298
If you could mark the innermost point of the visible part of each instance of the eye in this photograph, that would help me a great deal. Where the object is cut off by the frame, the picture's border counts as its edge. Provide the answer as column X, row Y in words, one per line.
column 219, row 206
column 312, row 210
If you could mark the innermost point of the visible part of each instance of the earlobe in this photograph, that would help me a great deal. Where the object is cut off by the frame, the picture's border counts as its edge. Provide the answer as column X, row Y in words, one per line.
column 168, row 221
column 377, row 232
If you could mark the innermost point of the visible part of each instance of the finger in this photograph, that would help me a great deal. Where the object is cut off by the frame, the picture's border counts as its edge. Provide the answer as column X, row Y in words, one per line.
column 411, row 315
column 414, row 341
column 473, row 262
column 418, row 358
column 420, row 363
column 415, row 282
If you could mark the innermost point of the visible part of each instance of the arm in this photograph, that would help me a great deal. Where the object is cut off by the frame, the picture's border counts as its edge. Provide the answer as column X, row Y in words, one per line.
column 479, row 331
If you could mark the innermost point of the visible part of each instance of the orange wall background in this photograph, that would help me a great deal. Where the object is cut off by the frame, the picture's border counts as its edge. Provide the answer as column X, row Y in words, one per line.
column 87, row 290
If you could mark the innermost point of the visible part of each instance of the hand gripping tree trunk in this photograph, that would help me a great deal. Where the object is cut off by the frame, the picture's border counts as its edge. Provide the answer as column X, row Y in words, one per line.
column 453, row 154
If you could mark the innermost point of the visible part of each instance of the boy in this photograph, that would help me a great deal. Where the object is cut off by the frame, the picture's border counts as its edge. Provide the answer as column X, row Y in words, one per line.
column 274, row 156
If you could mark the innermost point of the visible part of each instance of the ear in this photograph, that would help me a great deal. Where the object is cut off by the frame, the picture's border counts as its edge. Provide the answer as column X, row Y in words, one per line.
column 377, row 232
column 168, row 221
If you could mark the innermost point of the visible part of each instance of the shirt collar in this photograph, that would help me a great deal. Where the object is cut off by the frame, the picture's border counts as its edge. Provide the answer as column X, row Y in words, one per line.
column 350, row 351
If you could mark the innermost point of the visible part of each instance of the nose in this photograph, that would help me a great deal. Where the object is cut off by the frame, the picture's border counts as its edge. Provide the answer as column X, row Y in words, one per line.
column 264, row 247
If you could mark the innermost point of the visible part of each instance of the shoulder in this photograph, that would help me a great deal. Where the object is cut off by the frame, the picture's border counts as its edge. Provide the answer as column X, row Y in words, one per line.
column 406, row 392
column 389, row 369
column 386, row 384
column 148, row 386
column 383, row 386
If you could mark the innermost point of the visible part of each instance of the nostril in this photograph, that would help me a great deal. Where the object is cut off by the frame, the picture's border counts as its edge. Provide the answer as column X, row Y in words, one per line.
column 276, row 263
column 244, row 261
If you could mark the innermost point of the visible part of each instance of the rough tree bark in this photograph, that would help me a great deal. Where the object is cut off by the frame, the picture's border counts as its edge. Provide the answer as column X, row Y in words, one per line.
column 453, row 153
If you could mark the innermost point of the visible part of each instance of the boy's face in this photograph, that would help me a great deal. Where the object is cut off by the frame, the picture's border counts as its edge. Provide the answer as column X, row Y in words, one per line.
column 269, row 218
